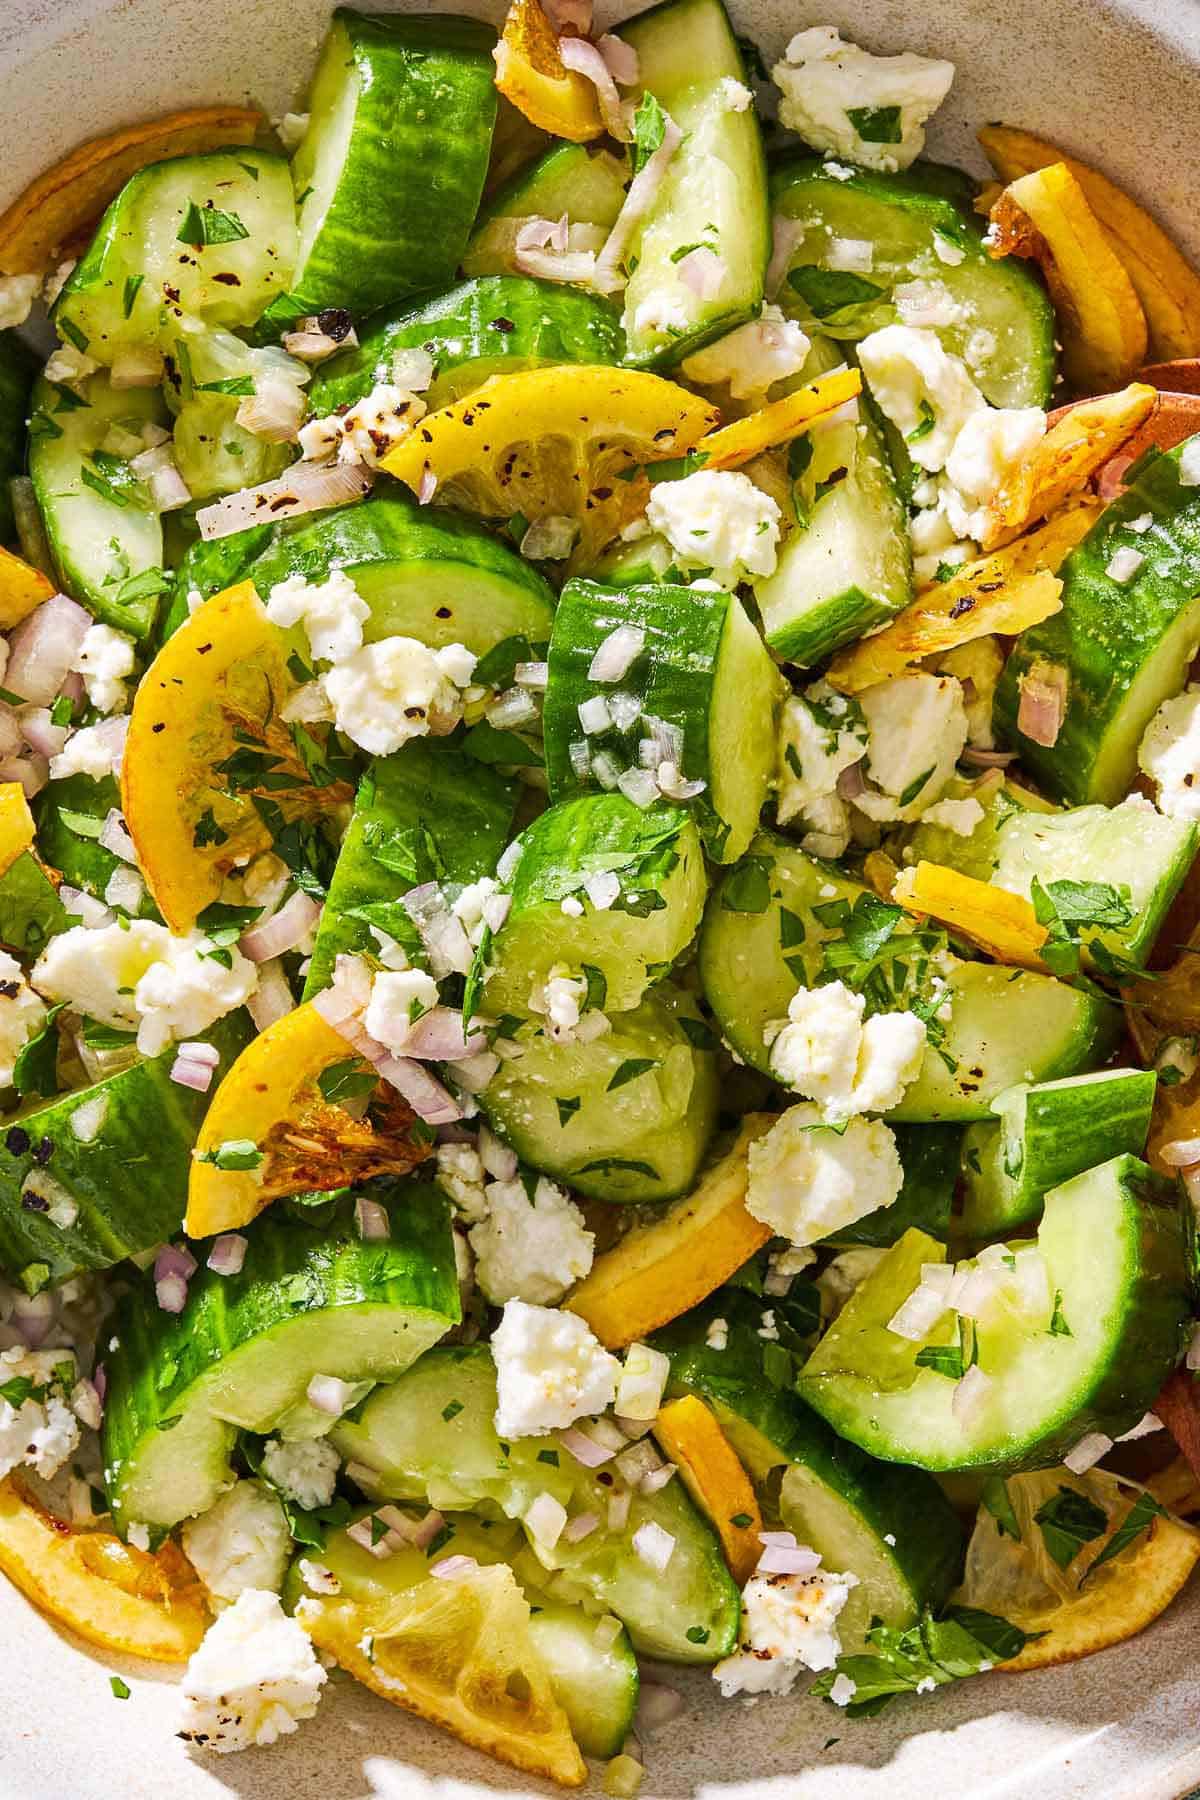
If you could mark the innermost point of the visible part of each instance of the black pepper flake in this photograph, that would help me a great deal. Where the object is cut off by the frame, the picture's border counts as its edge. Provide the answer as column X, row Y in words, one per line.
column 965, row 605
column 16, row 1140
column 161, row 726
column 335, row 322
column 443, row 612
column 10, row 989
column 229, row 279
column 171, row 293
column 203, row 649
column 43, row 1150
column 503, row 325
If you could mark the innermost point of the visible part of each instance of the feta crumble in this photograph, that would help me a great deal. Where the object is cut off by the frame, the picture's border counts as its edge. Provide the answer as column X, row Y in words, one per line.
column 717, row 520
column 926, row 393
column 869, row 109
column 789, row 1623
column 17, row 295
column 550, row 1371
column 807, row 1180
column 253, row 1679
column 89, row 751
column 753, row 357
column 917, row 728
column 364, row 434
column 530, row 1249
column 389, row 692
column 399, row 997
column 1169, row 754
column 105, row 660
column 829, row 1053
column 332, row 613
column 305, row 1471
column 821, row 733
column 241, row 1542
column 22, row 1015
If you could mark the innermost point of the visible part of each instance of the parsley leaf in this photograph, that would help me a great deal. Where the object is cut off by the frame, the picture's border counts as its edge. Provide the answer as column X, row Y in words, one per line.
column 567, row 1109
column 1058, row 1322
column 924, row 425
column 132, row 284
column 1139, row 1518
column 1068, row 1521
column 747, row 887
column 35, row 1070
column 649, row 129
column 347, row 1080
column 828, row 291
column 630, row 1069
column 876, row 124
column 965, row 1642
column 204, row 225
column 914, row 787
column 995, row 1498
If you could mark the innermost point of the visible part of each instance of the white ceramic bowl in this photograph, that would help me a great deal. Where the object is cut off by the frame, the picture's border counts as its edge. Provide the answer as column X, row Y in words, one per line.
column 1118, row 82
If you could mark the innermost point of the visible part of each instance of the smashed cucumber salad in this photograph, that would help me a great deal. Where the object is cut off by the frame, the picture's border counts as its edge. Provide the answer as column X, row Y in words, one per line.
column 598, row 1019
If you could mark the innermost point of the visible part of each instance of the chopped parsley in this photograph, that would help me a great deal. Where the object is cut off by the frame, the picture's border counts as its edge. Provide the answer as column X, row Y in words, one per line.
column 630, row 1069
column 649, row 129
column 452, row 1410
column 829, row 291
column 567, row 1109
column 933, row 1651
column 348, row 1080
column 876, row 124
column 747, row 887
column 204, row 225
column 233, row 1153
column 132, row 284
column 1068, row 1521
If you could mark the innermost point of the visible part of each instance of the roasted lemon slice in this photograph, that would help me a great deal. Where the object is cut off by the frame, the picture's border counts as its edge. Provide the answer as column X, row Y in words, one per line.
column 532, row 75
column 22, row 587
column 1115, row 1584
column 106, row 1591
column 553, row 442
column 458, row 1653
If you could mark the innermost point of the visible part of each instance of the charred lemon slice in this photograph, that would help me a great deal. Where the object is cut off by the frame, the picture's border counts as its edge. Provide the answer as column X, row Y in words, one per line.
column 532, row 75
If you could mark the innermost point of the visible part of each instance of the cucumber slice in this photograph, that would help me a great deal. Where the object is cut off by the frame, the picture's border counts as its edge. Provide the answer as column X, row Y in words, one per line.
column 31, row 912
column 494, row 326
column 102, row 528
column 715, row 191
column 208, row 568
column 242, row 1352
column 199, row 237
column 1132, row 848
column 848, row 564
column 1046, row 1134
column 892, row 1527
column 17, row 369
column 595, row 1682
column 930, row 1156
column 95, row 1146
column 761, row 939
column 70, row 817
column 657, row 858
column 1003, row 322
column 587, row 185
column 702, row 670
column 390, row 170
column 1113, row 1241
column 648, row 560
column 424, row 574
column 1126, row 646
column 430, row 1436
column 427, row 814
column 627, row 1117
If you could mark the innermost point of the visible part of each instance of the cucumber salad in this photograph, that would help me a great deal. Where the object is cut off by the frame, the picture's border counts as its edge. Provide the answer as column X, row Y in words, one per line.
column 599, row 1010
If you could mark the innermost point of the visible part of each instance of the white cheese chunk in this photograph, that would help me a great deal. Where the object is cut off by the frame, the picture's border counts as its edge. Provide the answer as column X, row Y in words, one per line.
column 253, row 1679
column 550, row 1371
column 869, row 109
column 808, row 1180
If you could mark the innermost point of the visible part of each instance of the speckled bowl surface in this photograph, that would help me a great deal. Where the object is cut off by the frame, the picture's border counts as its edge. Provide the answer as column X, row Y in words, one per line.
column 1118, row 82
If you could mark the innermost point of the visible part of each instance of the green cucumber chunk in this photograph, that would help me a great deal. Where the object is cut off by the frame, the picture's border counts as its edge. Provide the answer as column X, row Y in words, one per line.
column 1129, row 847
column 587, row 185
column 31, row 912
column 655, row 854
column 209, row 237
column 430, row 1436
column 714, row 192
column 930, row 1156
column 424, row 574
column 1090, row 1355
column 208, row 567
column 644, row 562
column 1002, row 322
column 70, row 816
column 102, row 529
column 308, row 1301
column 208, row 375
column 427, row 814
column 112, row 1158
column 627, row 1117
column 702, row 670
column 848, row 564
column 1125, row 646
column 496, row 325
column 892, row 1527
column 1044, row 1135
column 389, row 173
column 17, row 368
column 763, row 937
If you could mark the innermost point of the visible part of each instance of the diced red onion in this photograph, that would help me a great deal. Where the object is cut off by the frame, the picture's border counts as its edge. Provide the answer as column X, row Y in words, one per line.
column 427, row 1097
column 1180, row 1153
column 675, row 785
column 580, row 757
column 189, row 1074
column 916, row 1317
column 228, row 1253
column 1043, row 704
column 513, row 709
column 584, row 58
column 38, row 730
column 310, row 342
column 1087, row 1452
column 657, row 1706
column 778, row 1559
column 570, row 15
column 641, row 195
column 84, row 906
column 970, row 1394
column 655, row 1479
column 371, row 1220
column 617, row 653
column 850, row 782
column 495, row 910
column 553, row 265
column 618, row 1509
column 32, row 1315
column 786, row 235
column 427, row 487
column 785, row 1539
column 653, row 1546
column 583, row 1448
column 451, row 1568
column 640, row 1459
column 274, row 412
column 196, row 1050
column 499, row 1161
column 10, row 732
column 43, row 647
column 988, row 759
column 602, row 889
column 330, row 1394
column 630, row 1428
column 272, row 999
column 639, row 786
column 114, row 837
column 307, row 487
column 702, row 271
column 549, row 539
column 426, row 1529
column 542, row 234
column 581, row 1526
column 546, row 1519
column 620, row 59
column 171, row 1293
column 438, row 1036
column 85, row 1404
column 440, row 931
column 285, row 929
column 173, row 1259
column 534, row 675
column 474, row 1073
column 100, row 1381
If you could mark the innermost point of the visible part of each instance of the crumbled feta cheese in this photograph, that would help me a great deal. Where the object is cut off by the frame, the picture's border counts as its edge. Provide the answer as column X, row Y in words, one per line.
column 332, row 612
column 848, row 1065
column 141, row 977
column 1189, row 463
column 394, row 690
column 1123, row 565
column 752, row 358
column 472, row 907
column 253, row 1679
column 22, row 1015
column 398, row 999
column 17, row 295
column 241, row 1542
column 562, row 998
column 820, row 734
column 105, row 659
column 959, row 816
column 291, row 129
column 717, row 1335
column 550, row 1371
column 89, row 751
column 843, row 1690
column 1169, row 754
column 373, row 426
column 734, row 95
column 947, row 251
column 460, row 1175
column 717, row 520
column 869, row 109
column 531, row 1250
column 659, row 315
column 305, row 1471
column 807, row 1180
column 789, row 1623
column 41, row 1434
column 989, row 448
column 918, row 729
column 931, row 303
column 68, row 366
column 926, row 393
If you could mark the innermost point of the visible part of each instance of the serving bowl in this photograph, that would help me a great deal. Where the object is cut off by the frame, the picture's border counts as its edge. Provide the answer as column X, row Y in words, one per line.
column 1115, row 81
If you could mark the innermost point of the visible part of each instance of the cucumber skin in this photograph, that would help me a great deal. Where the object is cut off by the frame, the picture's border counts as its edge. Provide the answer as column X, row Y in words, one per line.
column 410, row 199
column 907, row 1503
column 1107, row 634
column 31, row 912
column 543, row 322
column 291, row 1270
column 464, row 807
column 209, row 568
column 129, row 1200
column 930, row 1157
column 17, row 368
column 1144, row 1343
